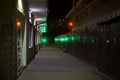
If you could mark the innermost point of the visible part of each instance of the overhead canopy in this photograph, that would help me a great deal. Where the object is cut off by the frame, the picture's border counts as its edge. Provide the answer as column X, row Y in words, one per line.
column 39, row 9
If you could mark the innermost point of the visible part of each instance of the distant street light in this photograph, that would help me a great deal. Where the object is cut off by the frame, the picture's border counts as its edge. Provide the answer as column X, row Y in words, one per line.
column 70, row 25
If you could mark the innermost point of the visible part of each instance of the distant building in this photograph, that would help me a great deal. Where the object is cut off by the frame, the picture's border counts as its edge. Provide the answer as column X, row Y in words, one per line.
column 87, row 12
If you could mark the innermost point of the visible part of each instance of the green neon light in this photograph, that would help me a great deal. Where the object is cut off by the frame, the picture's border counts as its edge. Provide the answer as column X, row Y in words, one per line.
column 43, row 27
column 44, row 40
column 56, row 39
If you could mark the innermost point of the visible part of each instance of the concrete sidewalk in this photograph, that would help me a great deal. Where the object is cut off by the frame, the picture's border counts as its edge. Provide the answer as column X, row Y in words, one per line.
column 52, row 64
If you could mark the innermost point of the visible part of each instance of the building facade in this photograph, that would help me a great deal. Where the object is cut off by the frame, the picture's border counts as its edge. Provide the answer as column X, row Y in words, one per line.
column 17, row 37
column 95, row 35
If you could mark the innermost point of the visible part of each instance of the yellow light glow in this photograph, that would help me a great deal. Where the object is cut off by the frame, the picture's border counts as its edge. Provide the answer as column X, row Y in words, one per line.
column 18, row 23
column 70, row 23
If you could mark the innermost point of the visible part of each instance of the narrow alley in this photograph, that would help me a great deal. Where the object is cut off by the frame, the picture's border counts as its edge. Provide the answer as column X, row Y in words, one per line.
column 52, row 63
column 60, row 40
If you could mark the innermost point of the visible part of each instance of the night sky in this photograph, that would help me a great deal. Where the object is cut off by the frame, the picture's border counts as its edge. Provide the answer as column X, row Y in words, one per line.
column 58, row 9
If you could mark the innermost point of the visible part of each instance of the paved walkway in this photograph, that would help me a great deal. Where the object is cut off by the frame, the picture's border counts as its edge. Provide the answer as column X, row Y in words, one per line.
column 52, row 64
